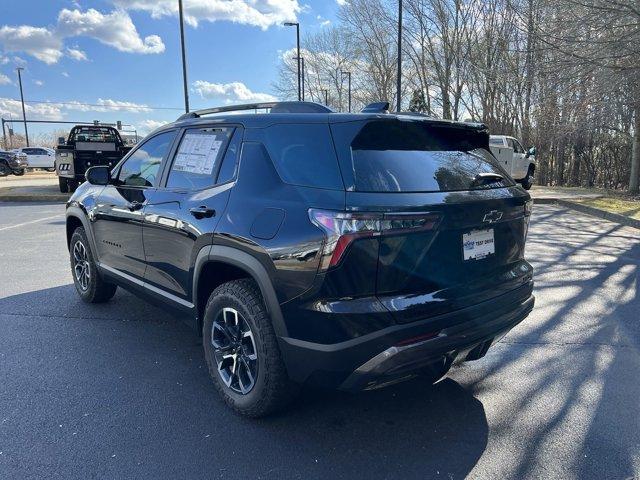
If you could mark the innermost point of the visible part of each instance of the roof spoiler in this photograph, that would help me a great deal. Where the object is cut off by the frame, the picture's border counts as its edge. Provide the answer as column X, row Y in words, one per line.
column 376, row 107
column 273, row 107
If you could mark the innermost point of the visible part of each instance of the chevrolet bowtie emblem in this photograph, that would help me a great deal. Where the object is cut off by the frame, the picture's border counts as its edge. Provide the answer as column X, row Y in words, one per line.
column 492, row 216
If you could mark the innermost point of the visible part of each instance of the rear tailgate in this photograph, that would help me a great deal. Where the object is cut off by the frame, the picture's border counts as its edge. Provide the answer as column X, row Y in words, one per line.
column 474, row 252
column 425, row 273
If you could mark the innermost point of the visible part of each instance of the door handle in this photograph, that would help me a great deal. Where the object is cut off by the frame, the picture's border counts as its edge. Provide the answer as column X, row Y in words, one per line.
column 202, row 212
column 133, row 206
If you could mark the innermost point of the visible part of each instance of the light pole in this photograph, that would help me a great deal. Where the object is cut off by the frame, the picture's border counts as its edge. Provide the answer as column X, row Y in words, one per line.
column 184, row 59
column 24, row 115
column 302, row 60
column 326, row 96
column 349, row 76
column 297, row 25
column 399, row 79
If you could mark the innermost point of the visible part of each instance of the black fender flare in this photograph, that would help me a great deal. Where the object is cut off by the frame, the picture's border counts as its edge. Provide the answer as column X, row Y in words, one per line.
column 73, row 210
column 251, row 265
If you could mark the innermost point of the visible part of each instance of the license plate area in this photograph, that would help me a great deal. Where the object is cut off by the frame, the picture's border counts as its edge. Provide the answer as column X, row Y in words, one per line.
column 478, row 244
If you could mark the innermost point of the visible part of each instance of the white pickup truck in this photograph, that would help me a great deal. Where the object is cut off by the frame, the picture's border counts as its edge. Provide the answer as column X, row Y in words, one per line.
column 520, row 164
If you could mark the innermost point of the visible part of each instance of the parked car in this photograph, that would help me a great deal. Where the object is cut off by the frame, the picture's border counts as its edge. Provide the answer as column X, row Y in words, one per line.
column 39, row 157
column 85, row 147
column 520, row 164
column 12, row 163
column 311, row 247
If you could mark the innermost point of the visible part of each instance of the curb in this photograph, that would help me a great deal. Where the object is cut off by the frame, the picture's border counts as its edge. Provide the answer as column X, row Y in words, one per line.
column 34, row 198
column 596, row 212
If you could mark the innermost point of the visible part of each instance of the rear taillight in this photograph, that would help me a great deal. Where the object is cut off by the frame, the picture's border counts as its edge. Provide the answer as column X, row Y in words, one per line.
column 343, row 228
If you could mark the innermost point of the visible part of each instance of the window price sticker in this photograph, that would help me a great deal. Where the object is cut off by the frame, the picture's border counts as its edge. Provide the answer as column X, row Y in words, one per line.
column 197, row 154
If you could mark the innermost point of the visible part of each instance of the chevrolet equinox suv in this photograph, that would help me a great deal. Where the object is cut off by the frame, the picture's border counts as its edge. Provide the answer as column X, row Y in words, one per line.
column 310, row 247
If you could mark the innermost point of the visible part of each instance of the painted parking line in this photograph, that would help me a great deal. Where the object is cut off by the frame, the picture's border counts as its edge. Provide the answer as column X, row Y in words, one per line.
column 18, row 225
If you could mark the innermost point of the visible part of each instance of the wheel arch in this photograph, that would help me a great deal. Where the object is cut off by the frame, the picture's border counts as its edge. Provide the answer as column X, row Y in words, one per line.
column 76, row 217
column 218, row 264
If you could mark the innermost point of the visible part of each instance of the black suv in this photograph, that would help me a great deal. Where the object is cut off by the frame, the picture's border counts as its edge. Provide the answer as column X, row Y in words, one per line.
column 12, row 162
column 312, row 247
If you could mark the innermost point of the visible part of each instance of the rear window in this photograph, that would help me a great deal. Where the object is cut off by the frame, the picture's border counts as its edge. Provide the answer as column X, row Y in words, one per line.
column 94, row 134
column 304, row 155
column 415, row 156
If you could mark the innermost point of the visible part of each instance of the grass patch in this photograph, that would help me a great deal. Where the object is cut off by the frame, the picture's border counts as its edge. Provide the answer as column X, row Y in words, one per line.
column 627, row 207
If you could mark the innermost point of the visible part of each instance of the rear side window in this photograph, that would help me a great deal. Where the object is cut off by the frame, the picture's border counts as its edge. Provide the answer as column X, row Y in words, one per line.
column 415, row 156
column 304, row 155
column 198, row 158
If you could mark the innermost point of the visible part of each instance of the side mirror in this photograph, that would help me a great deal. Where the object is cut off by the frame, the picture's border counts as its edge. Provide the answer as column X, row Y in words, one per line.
column 531, row 152
column 98, row 175
column 61, row 141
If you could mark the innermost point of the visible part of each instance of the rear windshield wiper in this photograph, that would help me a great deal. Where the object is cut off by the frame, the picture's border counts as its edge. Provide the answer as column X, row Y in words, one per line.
column 486, row 178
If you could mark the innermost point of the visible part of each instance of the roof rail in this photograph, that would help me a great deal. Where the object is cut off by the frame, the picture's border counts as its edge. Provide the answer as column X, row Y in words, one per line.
column 376, row 107
column 274, row 107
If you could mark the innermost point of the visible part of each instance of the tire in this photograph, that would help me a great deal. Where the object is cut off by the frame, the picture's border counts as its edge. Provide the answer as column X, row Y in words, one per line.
column 527, row 181
column 89, row 284
column 4, row 169
column 243, row 329
column 19, row 173
column 73, row 185
column 63, row 183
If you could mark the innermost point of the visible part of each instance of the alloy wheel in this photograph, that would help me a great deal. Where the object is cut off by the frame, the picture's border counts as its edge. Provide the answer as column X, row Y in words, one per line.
column 234, row 351
column 81, row 265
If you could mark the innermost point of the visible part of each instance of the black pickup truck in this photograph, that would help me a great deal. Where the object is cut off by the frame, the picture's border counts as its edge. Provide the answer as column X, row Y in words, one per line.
column 87, row 146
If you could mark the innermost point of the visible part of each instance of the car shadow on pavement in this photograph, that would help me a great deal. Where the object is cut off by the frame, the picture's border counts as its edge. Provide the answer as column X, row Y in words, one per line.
column 130, row 380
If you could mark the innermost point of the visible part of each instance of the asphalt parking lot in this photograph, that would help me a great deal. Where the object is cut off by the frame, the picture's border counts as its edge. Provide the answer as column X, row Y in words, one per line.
column 121, row 390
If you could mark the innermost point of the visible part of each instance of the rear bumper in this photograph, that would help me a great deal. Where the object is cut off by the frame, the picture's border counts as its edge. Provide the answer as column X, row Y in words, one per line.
column 390, row 355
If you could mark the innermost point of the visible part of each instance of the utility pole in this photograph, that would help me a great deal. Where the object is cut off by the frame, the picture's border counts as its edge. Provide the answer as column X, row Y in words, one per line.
column 184, row 59
column 399, row 79
column 297, row 25
column 24, row 115
column 326, row 96
column 349, row 77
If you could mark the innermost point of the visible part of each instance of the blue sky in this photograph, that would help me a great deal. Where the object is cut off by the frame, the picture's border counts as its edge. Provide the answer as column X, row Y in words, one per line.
column 125, row 54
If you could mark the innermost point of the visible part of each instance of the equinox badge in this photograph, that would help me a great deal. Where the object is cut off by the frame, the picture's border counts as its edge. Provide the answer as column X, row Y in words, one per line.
column 492, row 216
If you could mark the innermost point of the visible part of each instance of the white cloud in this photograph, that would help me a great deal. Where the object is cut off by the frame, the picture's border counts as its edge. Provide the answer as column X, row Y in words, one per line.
column 4, row 80
column 36, row 41
column 342, row 2
column 260, row 13
column 230, row 93
column 10, row 108
column 115, row 29
column 105, row 105
column 77, row 54
column 117, row 105
column 65, row 74
column 39, row 83
column 147, row 126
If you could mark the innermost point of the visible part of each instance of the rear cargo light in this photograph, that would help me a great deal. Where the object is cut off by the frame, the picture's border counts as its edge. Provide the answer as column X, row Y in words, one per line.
column 343, row 228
